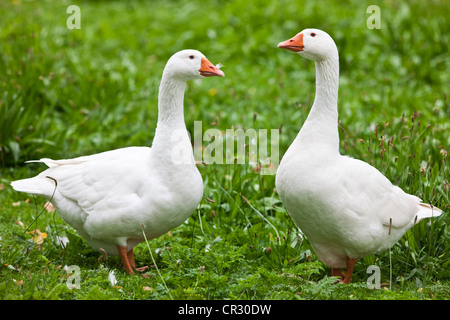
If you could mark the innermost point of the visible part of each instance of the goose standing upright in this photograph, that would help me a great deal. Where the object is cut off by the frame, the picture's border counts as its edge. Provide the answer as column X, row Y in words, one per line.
column 345, row 207
column 111, row 198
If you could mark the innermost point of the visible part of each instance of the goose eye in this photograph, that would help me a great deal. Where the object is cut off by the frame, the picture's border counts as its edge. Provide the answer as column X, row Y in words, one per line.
column 191, row 57
column 313, row 34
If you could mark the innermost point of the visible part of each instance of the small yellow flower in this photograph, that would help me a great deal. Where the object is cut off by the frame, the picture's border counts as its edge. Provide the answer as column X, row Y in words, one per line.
column 39, row 236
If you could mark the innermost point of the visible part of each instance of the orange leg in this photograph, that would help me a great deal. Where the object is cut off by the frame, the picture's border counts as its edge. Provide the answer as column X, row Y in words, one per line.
column 336, row 272
column 130, row 256
column 124, row 258
column 344, row 278
column 350, row 266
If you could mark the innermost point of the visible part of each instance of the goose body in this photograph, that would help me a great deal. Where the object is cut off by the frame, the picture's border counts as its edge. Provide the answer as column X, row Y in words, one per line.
column 110, row 198
column 345, row 207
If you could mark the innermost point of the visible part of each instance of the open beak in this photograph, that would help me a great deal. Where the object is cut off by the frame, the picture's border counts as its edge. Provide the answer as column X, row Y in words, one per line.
column 294, row 44
column 207, row 69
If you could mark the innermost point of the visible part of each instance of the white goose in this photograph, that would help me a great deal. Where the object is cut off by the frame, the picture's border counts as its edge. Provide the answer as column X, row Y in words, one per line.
column 345, row 207
column 111, row 197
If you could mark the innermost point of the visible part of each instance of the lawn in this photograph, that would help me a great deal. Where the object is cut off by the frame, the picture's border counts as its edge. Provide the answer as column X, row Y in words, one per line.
column 70, row 92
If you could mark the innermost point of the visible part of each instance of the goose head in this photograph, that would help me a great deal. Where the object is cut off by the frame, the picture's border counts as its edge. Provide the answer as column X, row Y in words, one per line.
column 313, row 44
column 191, row 64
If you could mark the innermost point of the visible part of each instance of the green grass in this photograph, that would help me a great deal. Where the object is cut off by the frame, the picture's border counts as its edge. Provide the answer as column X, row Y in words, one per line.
column 65, row 93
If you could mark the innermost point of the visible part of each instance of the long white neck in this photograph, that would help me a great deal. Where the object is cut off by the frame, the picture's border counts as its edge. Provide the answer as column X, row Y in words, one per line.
column 321, row 126
column 171, row 131
column 170, row 102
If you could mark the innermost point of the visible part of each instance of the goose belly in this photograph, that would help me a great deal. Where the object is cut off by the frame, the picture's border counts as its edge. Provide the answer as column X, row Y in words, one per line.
column 319, row 206
column 173, row 208
column 157, row 207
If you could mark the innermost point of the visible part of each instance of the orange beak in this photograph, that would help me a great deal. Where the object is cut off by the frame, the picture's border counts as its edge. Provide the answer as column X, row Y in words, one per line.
column 294, row 44
column 207, row 69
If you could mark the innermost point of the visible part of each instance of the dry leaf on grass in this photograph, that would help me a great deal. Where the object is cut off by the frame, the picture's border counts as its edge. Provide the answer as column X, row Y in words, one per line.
column 20, row 223
column 49, row 207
